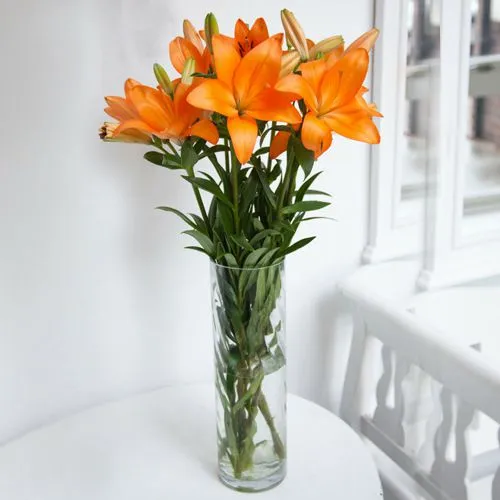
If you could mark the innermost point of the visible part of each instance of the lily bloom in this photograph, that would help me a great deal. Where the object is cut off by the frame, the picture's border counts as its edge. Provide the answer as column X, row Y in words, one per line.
column 151, row 111
column 244, row 92
column 191, row 46
column 334, row 99
column 248, row 38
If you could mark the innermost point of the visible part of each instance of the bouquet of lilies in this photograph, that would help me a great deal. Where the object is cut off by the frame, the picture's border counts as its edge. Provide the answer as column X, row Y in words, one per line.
column 225, row 122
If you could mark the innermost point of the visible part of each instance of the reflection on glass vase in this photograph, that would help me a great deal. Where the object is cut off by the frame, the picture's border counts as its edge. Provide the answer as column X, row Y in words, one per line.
column 248, row 307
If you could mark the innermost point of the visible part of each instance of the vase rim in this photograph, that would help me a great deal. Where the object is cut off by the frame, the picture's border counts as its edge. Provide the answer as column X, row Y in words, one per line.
column 257, row 268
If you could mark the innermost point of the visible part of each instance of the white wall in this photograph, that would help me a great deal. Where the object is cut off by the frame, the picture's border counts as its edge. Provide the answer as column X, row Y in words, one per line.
column 98, row 299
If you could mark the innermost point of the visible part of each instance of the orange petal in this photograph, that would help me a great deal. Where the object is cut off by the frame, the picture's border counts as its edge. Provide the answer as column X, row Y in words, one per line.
column 334, row 56
column 313, row 73
column 180, row 50
column 243, row 132
column 134, row 125
column 272, row 105
column 130, row 83
column 298, row 86
column 365, row 41
column 353, row 122
column 226, row 59
column 213, row 95
column 352, row 68
column 315, row 135
column 206, row 130
column 153, row 106
column 259, row 31
column 241, row 31
column 329, row 89
column 279, row 143
column 192, row 35
column 260, row 68
column 119, row 108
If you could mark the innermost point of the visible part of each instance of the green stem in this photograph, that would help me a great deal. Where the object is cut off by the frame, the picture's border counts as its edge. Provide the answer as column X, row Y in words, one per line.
column 226, row 156
column 171, row 147
column 273, row 133
column 286, row 181
column 279, row 448
column 190, row 172
column 235, row 170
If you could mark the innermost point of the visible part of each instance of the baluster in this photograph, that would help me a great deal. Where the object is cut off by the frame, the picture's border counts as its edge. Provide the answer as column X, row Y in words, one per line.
column 386, row 418
column 426, row 454
column 495, row 491
column 450, row 474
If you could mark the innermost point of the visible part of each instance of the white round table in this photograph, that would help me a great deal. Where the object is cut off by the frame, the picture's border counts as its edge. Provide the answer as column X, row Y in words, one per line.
column 161, row 445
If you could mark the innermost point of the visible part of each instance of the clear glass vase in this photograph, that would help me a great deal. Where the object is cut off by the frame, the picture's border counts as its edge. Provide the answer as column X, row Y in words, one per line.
column 248, row 307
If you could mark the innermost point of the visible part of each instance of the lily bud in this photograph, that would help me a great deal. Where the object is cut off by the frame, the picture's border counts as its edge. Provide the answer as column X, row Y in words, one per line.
column 326, row 46
column 187, row 72
column 289, row 61
column 294, row 34
column 211, row 29
column 192, row 35
column 108, row 129
column 163, row 79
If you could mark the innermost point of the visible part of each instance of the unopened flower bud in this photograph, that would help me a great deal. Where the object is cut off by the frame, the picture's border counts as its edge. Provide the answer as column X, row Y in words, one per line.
column 163, row 79
column 211, row 29
column 187, row 72
column 326, row 46
column 294, row 34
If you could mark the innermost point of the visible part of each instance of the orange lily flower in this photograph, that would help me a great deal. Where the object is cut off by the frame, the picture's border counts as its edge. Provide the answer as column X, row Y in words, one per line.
column 248, row 38
column 244, row 91
column 191, row 46
column 334, row 99
column 153, row 112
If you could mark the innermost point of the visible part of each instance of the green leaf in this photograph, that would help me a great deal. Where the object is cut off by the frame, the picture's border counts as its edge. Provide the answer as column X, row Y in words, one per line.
column 203, row 240
column 179, row 214
column 317, row 218
column 254, row 386
column 304, row 156
column 209, row 186
column 230, row 260
column 154, row 157
column 305, row 206
column 271, row 198
column 264, row 234
column 189, row 156
column 261, row 151
column 203, row 75
column 215, row 149
column 298, row 244
column 318, row 193
column 198, row 249
column 253, row 258
column 277, row 128
column 242, row 242
column 299, row 195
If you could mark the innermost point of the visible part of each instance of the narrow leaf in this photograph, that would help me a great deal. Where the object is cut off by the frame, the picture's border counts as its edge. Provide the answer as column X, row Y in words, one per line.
column 298, row 244
column 188, row 155
column 305, row 206
column 203, row 240
column 184, row 217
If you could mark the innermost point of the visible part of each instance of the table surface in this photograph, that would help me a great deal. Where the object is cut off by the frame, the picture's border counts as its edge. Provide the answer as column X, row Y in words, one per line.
column 161, row 445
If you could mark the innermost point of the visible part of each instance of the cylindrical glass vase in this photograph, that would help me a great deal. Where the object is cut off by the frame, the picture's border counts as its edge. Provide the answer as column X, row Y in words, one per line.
column 248, row 308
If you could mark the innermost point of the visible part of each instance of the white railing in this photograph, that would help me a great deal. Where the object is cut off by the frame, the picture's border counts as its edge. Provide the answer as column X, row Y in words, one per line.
column 460, row 384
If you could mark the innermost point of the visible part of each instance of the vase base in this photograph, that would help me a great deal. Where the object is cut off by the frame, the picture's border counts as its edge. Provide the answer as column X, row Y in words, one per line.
column 249, row 485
